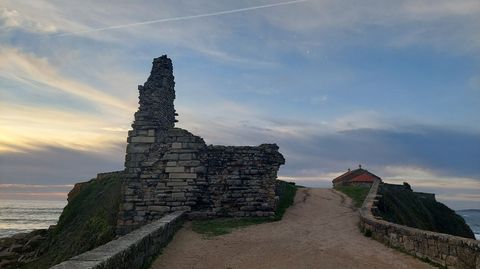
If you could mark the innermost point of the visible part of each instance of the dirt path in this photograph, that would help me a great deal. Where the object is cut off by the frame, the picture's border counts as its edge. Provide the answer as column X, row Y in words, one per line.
column 318, row 231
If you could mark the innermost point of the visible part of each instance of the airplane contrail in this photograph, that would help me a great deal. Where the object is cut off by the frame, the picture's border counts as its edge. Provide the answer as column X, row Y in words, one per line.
column 182, row 18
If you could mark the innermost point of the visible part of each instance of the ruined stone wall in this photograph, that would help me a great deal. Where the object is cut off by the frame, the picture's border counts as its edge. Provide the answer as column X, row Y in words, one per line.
column 446, row 250
column 241, row 180
column 169, row 169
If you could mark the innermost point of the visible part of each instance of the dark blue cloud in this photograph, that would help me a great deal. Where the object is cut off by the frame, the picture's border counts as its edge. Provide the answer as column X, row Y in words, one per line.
column 448, row 152
column 55, row 165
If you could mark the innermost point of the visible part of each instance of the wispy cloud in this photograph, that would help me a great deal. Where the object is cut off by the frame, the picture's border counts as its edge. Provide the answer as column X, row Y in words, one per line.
column 427, row 177
column 460, row 197
column 188, row 17
column 24, row 128
column 11, row 18
column 24, row 16
column 474, row 83
column 28, row 69
column 246, row 73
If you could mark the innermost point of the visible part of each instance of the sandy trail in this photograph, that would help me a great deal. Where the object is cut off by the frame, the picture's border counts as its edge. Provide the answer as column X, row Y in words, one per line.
column 318, row 231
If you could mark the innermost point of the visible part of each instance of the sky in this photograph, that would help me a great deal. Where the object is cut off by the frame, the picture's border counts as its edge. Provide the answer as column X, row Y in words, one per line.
column 391, row 85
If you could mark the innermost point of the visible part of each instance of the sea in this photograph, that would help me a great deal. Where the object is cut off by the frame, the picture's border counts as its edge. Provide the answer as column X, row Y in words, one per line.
column 19, row 216
column 472, row 218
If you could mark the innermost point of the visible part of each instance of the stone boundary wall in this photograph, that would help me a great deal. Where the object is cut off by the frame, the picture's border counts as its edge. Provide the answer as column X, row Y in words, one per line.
column 443, row 249
column 134, row 250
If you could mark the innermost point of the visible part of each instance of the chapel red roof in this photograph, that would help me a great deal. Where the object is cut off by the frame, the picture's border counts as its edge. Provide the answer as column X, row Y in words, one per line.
column 357, row 175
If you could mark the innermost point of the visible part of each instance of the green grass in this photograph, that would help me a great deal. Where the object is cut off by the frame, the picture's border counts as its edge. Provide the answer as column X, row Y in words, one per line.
column 215, row 227
column 87, row 221
column 222, row 226
column 357, row 193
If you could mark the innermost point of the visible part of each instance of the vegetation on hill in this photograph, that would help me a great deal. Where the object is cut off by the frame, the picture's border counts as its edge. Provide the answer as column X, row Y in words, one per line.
column 87, row 221
column 399, row 204
column 215, row 227
column 357, row 193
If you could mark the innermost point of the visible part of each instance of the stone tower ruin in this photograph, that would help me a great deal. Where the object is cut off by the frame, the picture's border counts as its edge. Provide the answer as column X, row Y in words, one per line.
column 169, row 169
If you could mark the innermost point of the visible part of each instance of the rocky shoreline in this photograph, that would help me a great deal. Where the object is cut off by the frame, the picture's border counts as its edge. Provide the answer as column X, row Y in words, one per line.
column 21, row 248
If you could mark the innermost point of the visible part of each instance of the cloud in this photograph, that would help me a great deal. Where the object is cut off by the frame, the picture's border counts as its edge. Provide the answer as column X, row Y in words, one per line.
column 41, row 106
column 427, row 178
column 460, row 197
column 187, row 17
column 445, row 25
column 366, row 119
column 24, row 16
column 74, row 95
column 396, row 148
column 448, row 152
column 56, row 166
column 203, row 36
column 444, row 8
column 474, row 83
column 10, row 18
column 318, row 100
column 24, row 128
column 26, row 68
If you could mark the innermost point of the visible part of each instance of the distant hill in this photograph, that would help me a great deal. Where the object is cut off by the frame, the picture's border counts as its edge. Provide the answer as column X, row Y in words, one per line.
column 399, row 204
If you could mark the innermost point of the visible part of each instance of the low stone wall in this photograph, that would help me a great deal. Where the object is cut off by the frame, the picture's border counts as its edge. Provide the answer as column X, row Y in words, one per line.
column 443, row 249
column 131, row 251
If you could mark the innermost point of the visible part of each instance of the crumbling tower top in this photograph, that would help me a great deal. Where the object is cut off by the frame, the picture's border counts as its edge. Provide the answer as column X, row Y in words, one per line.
column 157, row 94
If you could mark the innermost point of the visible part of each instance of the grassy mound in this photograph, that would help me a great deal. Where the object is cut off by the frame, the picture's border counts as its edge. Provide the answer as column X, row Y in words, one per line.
column 215, row 227
column 357, row 193
column 399, row 204
column 87, row 221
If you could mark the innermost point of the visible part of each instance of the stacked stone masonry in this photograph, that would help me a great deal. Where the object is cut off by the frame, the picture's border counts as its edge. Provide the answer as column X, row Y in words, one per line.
column 443, row 249
column 132, row 251
column 169, row 169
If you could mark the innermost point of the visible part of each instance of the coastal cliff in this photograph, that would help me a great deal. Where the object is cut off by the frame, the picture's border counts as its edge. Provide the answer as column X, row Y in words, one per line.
column 399, row 204
column 87, row 221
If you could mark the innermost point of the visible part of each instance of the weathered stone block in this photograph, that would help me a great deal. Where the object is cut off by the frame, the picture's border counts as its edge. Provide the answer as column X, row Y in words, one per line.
column 185, row 156
column 182, row 175
column 177, row 184
column 176, row 145
column 189, row 163
column 170, row 156
column 159, row 208
column 127, row 206
column 142, row 139
column 178, row 195
column 175, row 169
